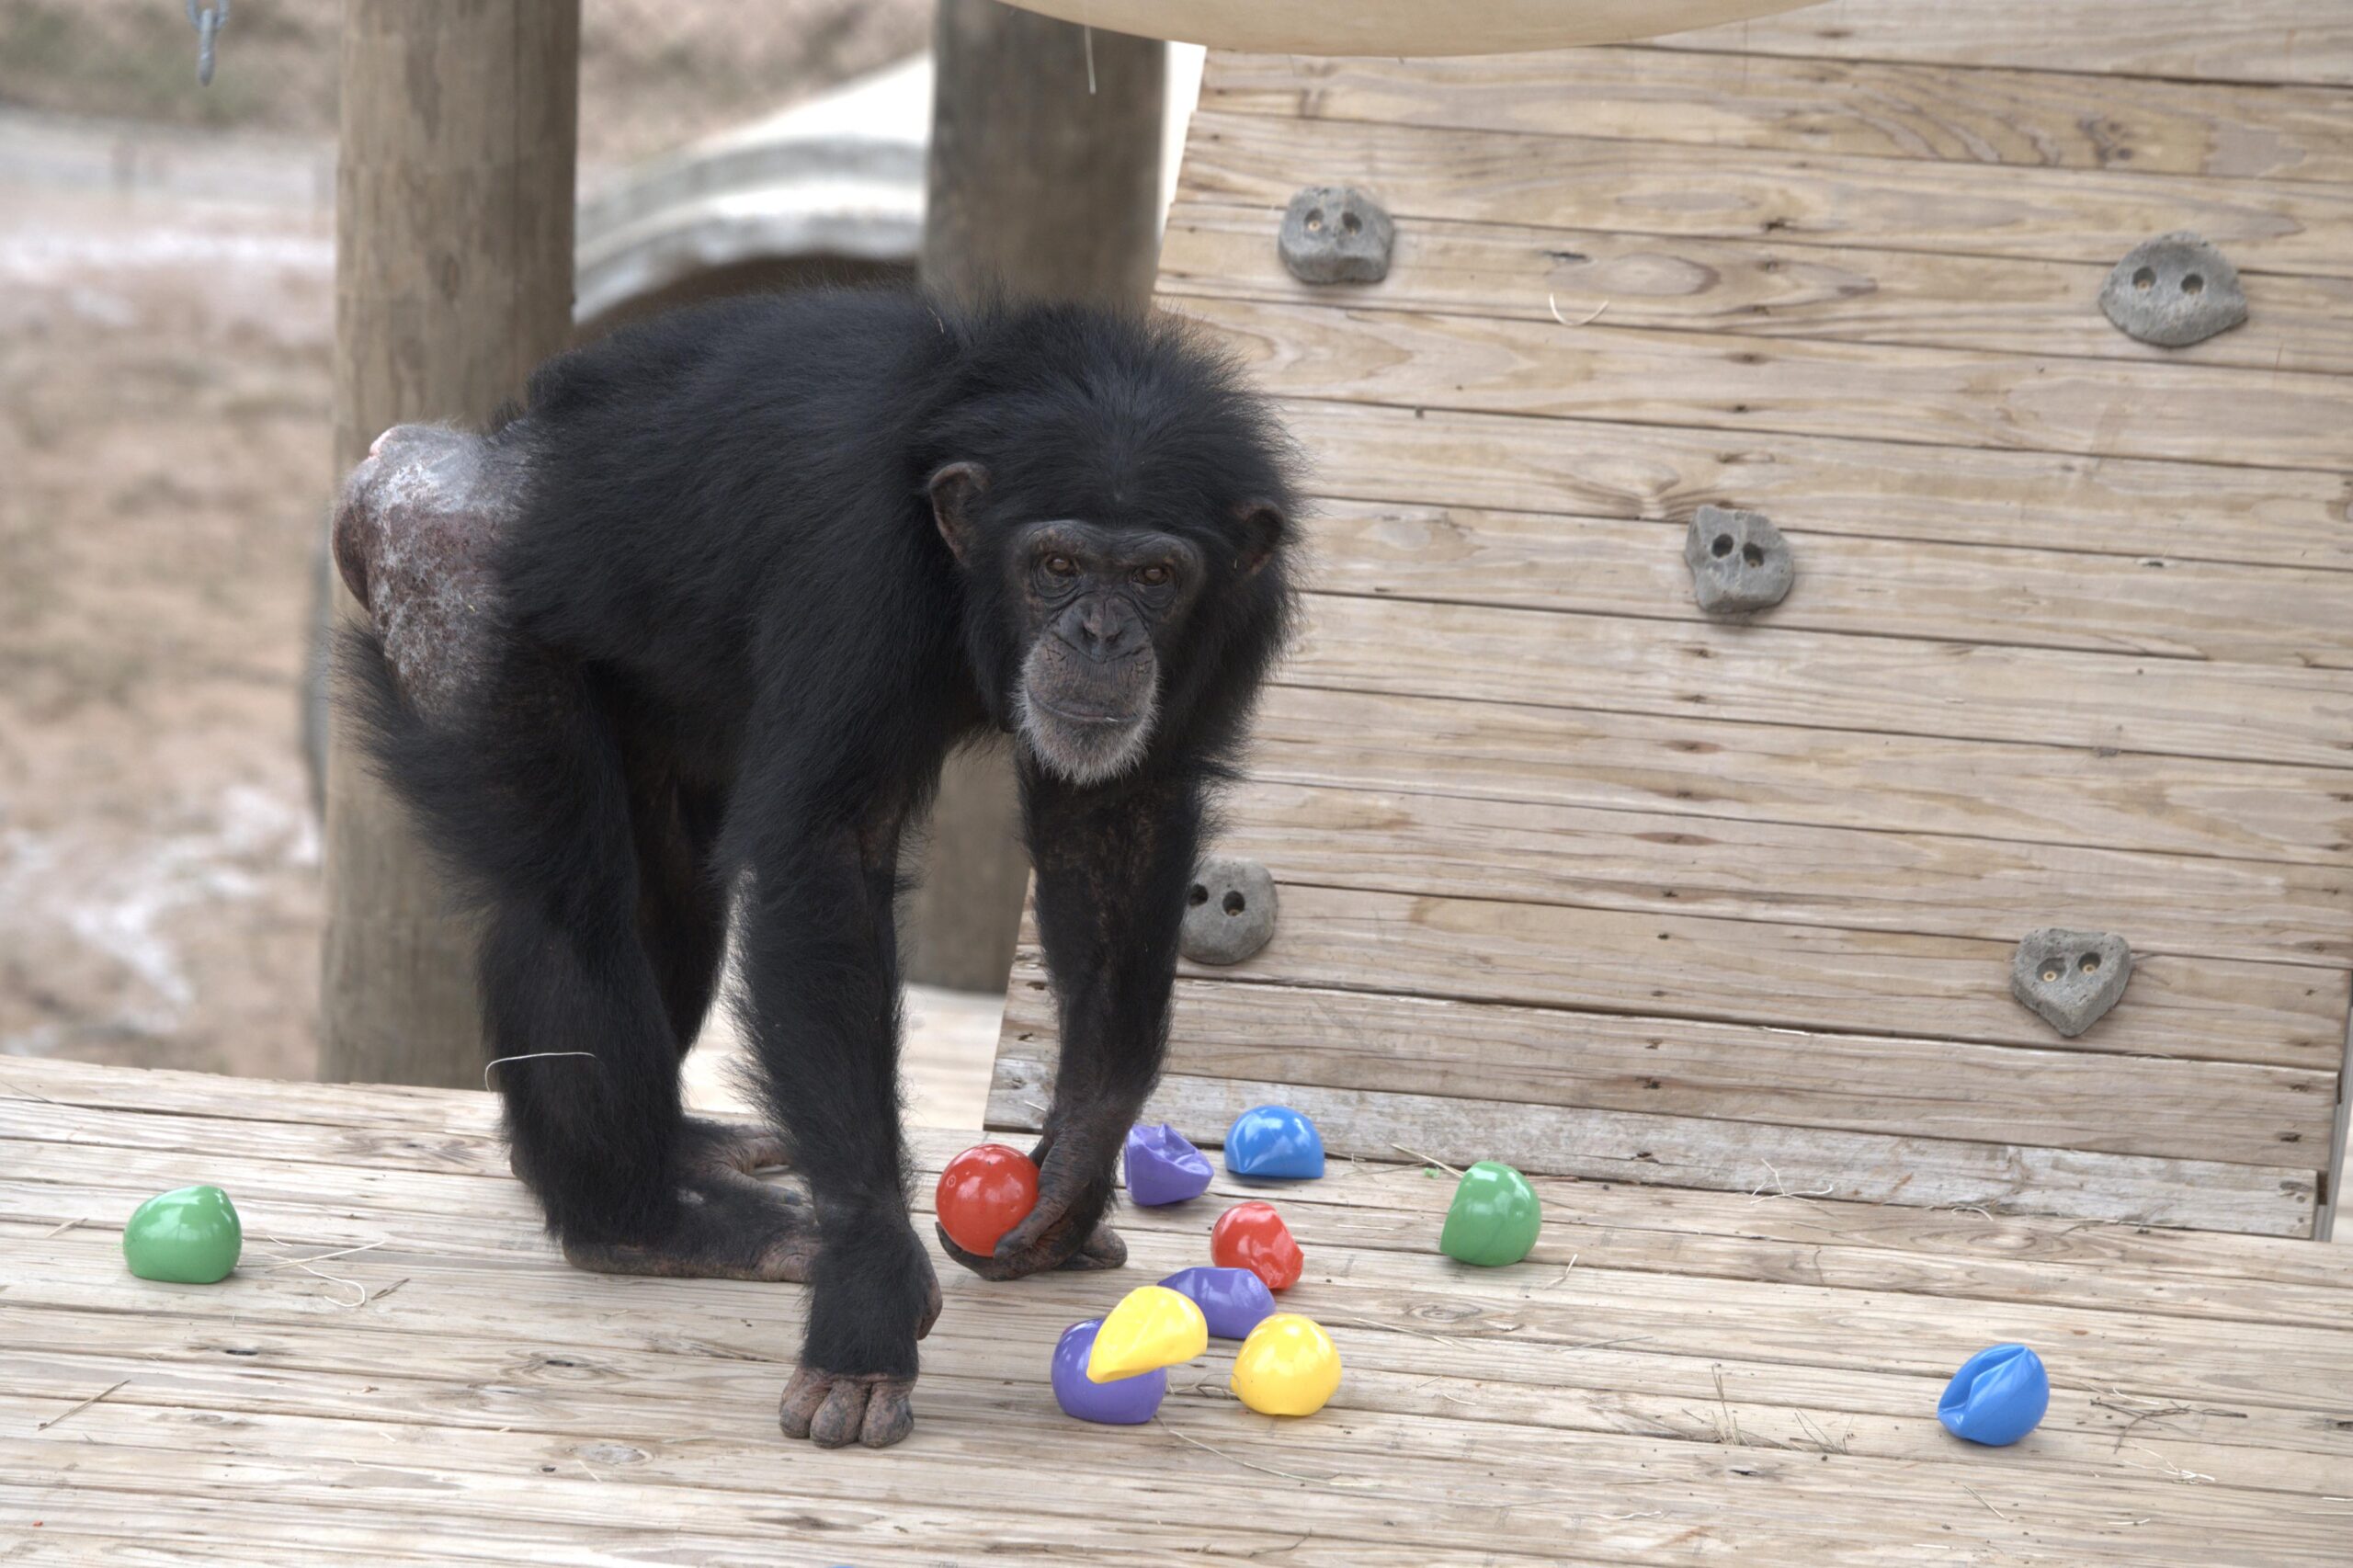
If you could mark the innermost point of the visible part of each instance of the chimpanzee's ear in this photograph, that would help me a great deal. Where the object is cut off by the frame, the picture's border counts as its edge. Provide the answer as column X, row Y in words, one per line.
column 1262, row 530
column 952, row 489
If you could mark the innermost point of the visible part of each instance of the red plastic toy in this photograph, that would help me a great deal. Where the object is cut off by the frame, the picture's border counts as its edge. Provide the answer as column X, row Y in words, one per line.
column 985, row 1192
column 1253, row 1236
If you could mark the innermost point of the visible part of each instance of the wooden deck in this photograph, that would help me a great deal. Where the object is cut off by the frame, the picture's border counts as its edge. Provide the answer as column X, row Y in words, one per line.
column 1675, row 1377
column 1574, row 876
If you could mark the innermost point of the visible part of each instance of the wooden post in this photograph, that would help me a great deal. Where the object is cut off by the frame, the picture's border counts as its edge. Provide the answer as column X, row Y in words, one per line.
column 453, row 278
column 1046, row 183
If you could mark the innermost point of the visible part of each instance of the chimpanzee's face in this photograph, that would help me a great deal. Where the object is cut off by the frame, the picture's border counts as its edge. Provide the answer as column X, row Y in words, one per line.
column 1085, row 623
column 1097, row 606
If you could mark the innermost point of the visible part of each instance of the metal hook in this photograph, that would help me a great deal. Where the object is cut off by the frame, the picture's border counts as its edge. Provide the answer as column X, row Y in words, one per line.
column 208, row 21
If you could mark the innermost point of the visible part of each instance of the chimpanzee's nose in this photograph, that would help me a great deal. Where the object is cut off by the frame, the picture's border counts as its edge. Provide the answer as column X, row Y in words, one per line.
column 1103, row 632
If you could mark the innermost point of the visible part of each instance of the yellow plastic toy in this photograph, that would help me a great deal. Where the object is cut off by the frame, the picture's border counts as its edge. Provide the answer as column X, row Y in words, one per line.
column 1152, row 1327
column 1288, row 1366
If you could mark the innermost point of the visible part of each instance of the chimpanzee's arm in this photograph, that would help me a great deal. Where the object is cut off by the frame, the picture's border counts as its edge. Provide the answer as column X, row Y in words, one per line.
column 1113, row 863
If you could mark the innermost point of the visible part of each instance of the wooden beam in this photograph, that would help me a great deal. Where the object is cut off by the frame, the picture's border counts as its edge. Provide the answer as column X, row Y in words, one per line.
column 1045, row 182
column 453, row 278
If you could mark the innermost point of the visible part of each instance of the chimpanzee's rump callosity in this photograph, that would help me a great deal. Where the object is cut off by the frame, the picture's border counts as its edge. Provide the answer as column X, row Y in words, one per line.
column 694, row 630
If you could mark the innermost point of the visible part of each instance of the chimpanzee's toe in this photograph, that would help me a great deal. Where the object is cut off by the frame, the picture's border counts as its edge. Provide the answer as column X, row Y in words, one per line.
column 834, row 1410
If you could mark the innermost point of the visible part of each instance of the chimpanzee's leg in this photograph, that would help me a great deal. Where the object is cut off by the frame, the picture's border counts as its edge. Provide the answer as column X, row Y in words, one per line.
column 510, row 759
column 821, row 968
column 682, row 922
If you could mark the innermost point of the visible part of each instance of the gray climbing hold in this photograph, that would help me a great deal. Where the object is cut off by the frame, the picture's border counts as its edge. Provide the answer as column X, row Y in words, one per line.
column 2069, row 978
column 1229, row 911
column 2174, row 290
column 1336, row 233
column 1739, row 560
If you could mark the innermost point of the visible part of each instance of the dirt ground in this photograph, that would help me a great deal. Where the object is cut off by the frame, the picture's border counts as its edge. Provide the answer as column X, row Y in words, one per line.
column 165, row 322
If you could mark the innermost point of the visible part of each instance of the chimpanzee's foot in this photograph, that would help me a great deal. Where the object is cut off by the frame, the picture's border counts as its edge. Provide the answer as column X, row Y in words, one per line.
column 720, row 1149
column 835, row 1409
column 727, row 1227
column 712, row 1147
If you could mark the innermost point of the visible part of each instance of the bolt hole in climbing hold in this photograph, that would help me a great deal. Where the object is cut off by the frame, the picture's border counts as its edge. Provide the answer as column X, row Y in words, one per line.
column 1199, row 896
column 1234, row 904
column 1316, row 222
column 2145, row 278
column 2193, row 284
column 2049, row 976
column 1723, row 547
column 1753, row 555
column 1351, row 223
column 2089, row 962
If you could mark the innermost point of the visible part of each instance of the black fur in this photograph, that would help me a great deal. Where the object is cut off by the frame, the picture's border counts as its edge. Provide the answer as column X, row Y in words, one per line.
column 733, row 649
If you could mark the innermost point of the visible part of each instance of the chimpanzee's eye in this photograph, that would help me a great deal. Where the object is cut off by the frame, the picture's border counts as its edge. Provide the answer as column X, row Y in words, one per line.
column 1154, row 577
column 1061, row 566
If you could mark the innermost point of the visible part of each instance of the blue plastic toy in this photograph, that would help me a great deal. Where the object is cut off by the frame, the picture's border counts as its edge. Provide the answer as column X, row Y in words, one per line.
column 1274, row 1142
column 1163, row 1167
column 1233, row 1300
column 1123, row 1401
column 1997, row 1397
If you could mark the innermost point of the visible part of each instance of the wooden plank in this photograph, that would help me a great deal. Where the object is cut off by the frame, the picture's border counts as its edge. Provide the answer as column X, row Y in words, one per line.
column 1787, row 976
column 1524, row 1316
column 1893, row 1085
column 2249, row 40
column 2029, row 119
column 2186, row 1356
column 1758, row 289
column 2190, row 609
column 1700, row 768
column 1413, row 842
column 1936, row 397
column 302, row 1369
column 471, row 1121
column 1583, row 182
column 2113, row 507
column 1731, row 1156
column 1759, row 674
column 1784, row 1508
column 470, row 1383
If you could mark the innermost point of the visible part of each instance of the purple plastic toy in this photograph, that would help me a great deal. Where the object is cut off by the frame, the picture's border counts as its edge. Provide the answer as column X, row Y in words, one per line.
column 1997, row 1397
column 1123, row 1401
column 1233, row 1300
column 1163, row 1167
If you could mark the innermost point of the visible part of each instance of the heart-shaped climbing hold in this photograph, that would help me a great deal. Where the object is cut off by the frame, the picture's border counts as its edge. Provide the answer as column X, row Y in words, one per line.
column 1233, row 1301
column 191, row 1235
column 2069, row 978
column 1494, row 1217
column 1253, row 1236
column 1163, row 1167
column 1288, row 1366
column 1125, row 1402
column 1274, row 1142
column 1997, row 1397
column 1152, row 1327
column 985, row 1192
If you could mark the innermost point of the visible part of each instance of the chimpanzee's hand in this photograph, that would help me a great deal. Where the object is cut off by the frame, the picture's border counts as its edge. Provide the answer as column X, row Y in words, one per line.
column 1065, row 1230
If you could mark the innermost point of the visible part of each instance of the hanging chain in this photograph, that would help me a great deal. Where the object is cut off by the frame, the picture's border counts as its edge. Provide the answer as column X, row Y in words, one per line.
column 208, row 20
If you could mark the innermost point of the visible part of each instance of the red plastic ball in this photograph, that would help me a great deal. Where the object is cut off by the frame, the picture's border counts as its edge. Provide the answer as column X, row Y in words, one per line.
column 984, row 1193
column 1253, row 1236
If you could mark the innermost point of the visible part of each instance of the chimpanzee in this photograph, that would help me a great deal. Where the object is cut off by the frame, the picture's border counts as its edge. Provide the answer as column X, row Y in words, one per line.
column 691, row 633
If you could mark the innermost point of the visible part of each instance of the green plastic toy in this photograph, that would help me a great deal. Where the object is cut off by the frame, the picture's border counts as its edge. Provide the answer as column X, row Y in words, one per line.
column 189, row 1235
column 1494, row 1217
